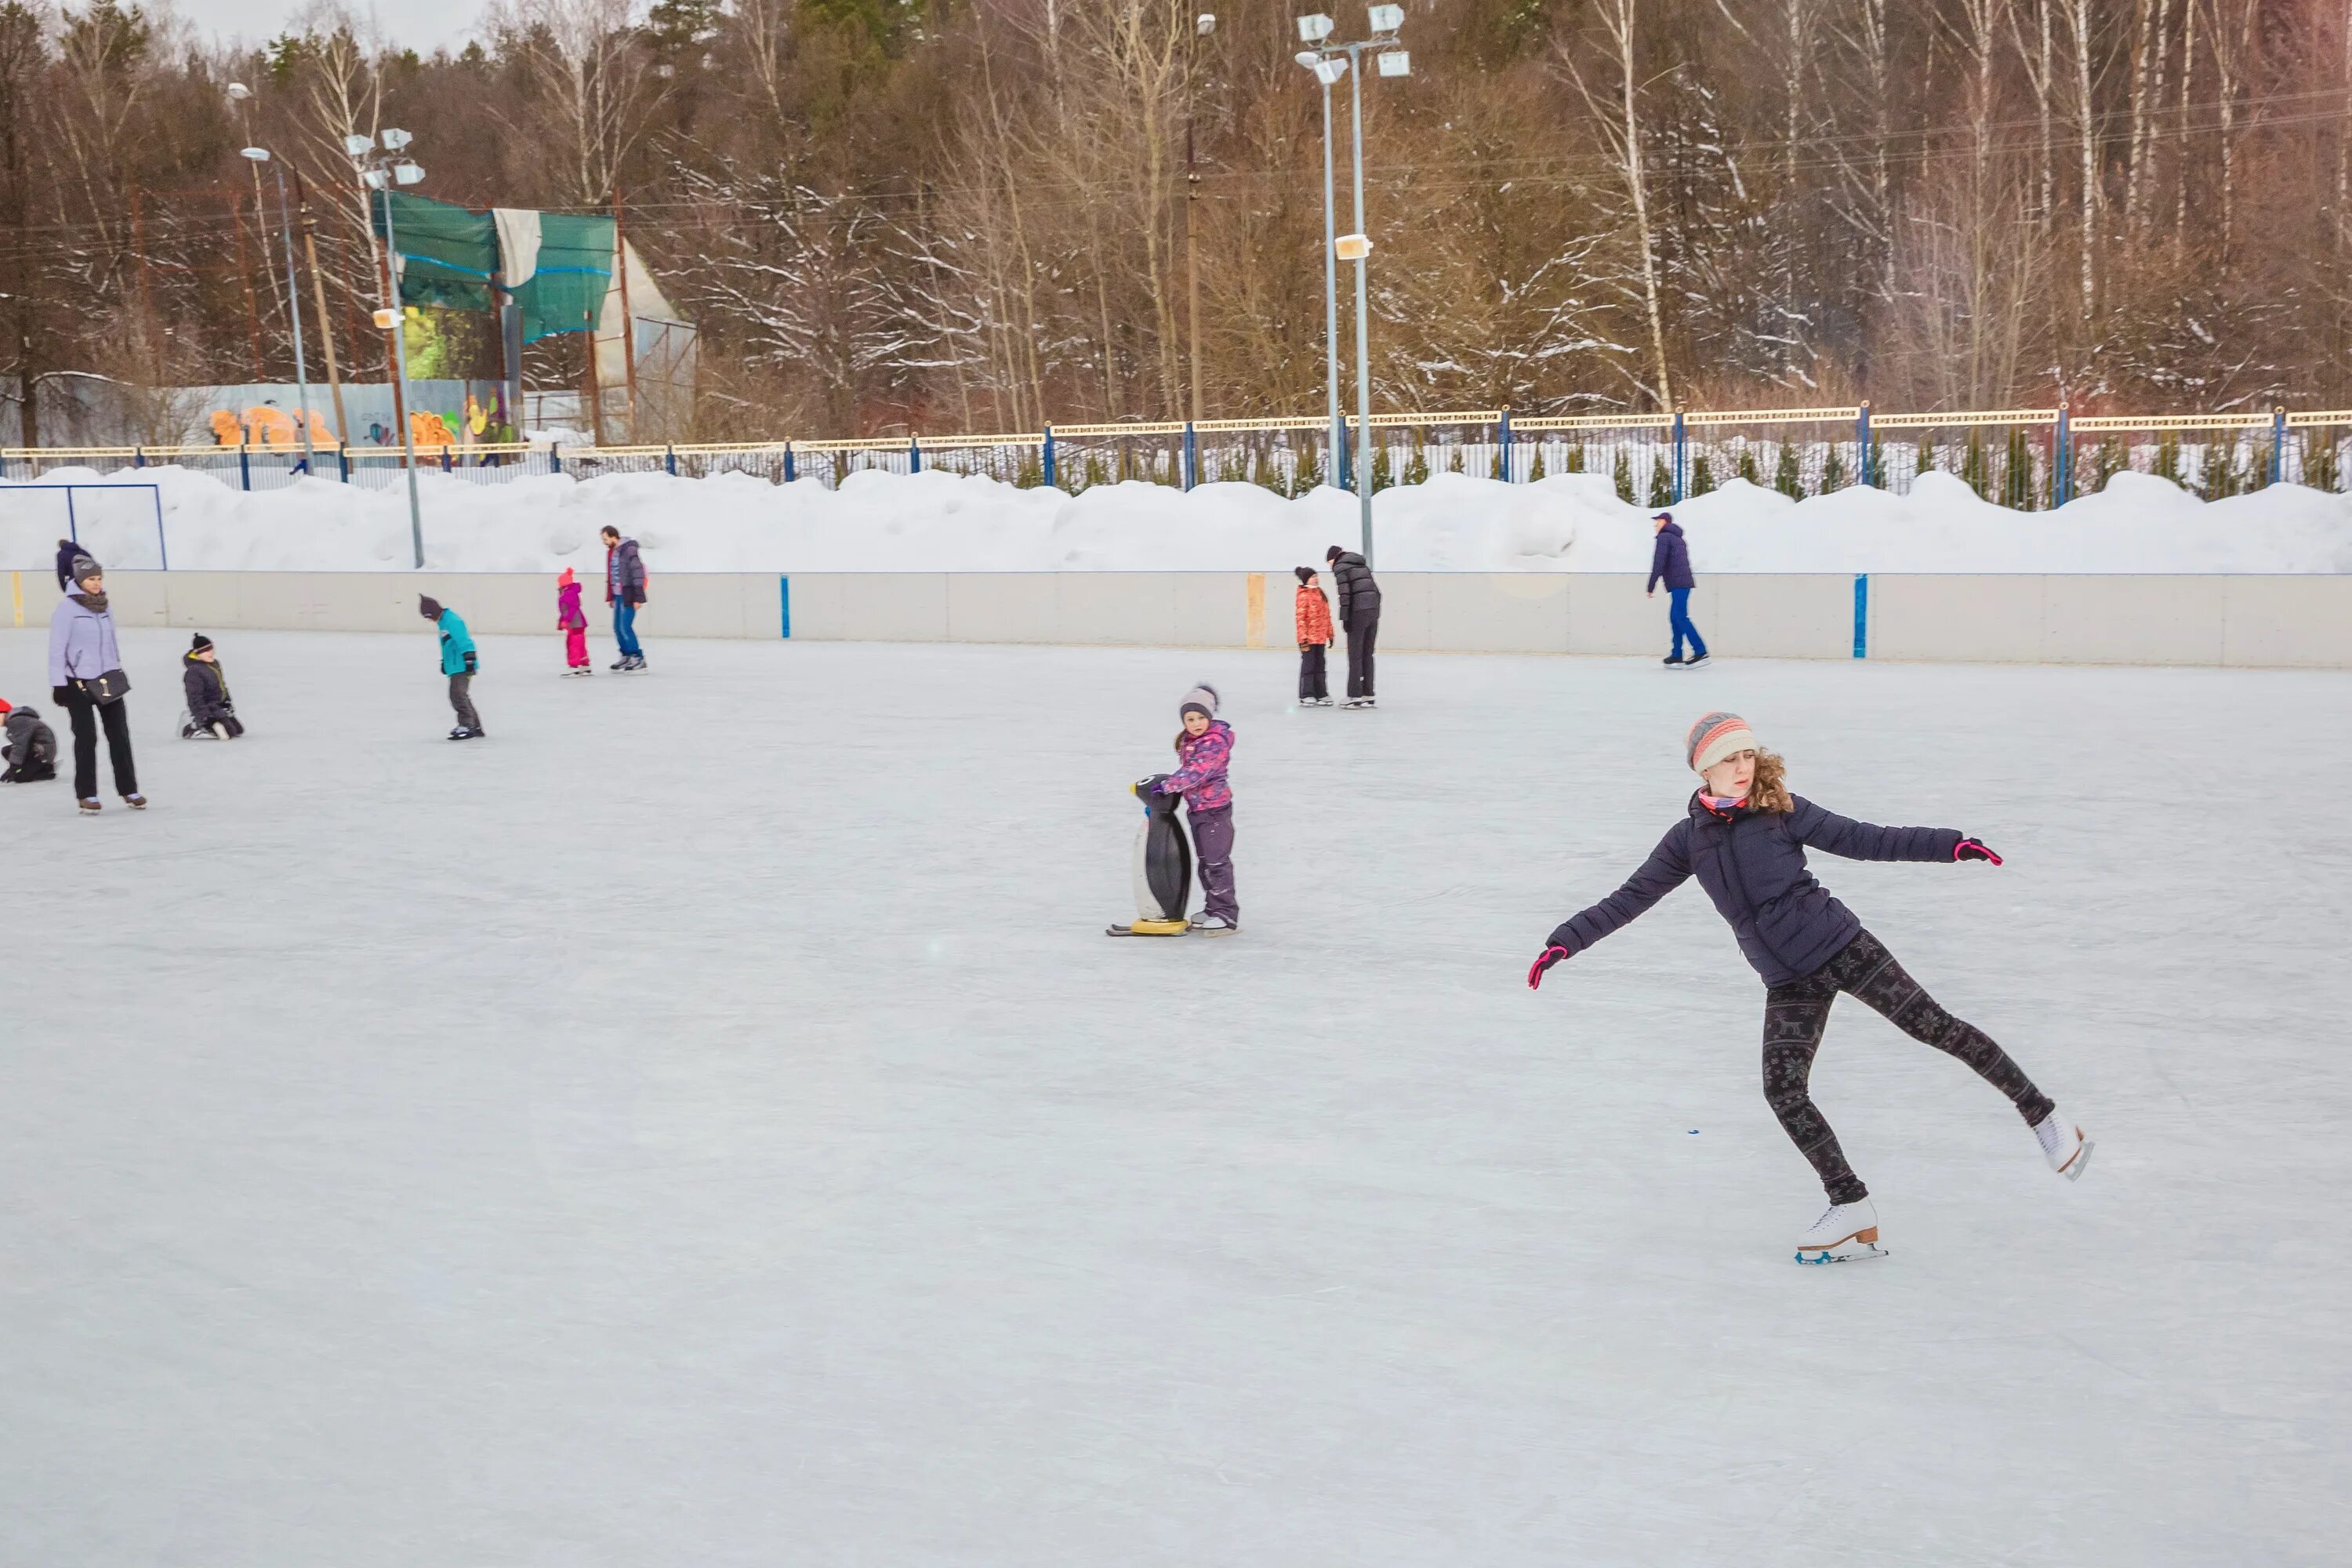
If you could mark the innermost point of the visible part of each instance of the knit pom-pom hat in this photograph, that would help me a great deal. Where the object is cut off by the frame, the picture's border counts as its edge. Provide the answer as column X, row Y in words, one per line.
column 564, row 579
column 1201, row 700
column 1716, row 737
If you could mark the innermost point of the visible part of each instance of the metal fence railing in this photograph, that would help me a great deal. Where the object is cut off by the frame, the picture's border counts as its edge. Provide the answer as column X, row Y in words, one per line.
column 2024, row 459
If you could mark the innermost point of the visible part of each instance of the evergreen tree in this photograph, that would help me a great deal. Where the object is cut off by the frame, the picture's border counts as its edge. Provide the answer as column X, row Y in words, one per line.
column 2017, row 472
column 1834, row 470
column 1662, row 484
column 1575, row 464
column 1786, row 477
column 1309, row 469
column 1702, row 476
column 1747, row 470
column 1624, row 475
column 1453, row 457
column 1416, row 469
column 1923, row 461
column 1975, row 472
column 2167, row 456
column 1536, row 471
column 1381, row 479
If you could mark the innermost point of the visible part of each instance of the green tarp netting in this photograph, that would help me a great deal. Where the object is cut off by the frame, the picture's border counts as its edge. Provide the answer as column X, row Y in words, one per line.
column 448, row 255
column 566, row 294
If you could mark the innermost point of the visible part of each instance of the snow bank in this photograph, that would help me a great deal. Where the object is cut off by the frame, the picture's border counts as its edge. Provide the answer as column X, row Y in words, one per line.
column 941, row 521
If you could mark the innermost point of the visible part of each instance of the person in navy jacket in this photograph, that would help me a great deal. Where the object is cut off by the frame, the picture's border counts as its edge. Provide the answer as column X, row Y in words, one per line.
column 1670, row 562
column 1744, row 836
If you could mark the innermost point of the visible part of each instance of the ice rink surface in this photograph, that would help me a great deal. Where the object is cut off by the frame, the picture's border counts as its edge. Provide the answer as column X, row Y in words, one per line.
column 703, row 1124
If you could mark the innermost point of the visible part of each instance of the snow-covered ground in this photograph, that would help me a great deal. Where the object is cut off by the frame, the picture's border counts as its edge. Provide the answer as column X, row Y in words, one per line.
column 703, row 1123
column 941, row 521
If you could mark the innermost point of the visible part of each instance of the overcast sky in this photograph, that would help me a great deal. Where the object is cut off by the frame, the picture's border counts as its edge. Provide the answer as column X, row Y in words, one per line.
column 419, row 24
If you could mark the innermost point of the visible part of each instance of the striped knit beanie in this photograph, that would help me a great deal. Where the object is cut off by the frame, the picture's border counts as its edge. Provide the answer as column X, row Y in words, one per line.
column 1716, row 737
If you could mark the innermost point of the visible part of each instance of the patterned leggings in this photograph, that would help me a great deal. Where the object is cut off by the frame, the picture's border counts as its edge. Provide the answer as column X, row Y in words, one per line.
column 1795, row 1015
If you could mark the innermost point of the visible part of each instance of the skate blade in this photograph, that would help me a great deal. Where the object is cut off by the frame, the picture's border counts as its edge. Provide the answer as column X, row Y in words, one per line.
column 1844, row 1252
column 2074, row 1169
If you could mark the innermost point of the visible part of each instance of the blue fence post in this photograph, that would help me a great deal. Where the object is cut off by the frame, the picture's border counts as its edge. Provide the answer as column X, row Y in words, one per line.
column 2062, row 483
column 162, row 552
column 343, row 461
column 1343, row 470
column 244, row 467
column 914, row 454
column 789, row 475
column 784, row 602
column 1862, row 463
column 73, row 529
column 1192, row 456
column 446, row 451
column 1681, row 463
column 1503, row 443
column 2278, row 445
column 1861, row 616
column 138, row 457
column 554, row 458
column 1049, row 458
column 669, row 460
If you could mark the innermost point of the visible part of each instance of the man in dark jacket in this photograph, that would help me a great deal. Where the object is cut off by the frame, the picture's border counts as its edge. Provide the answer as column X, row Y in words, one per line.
column 1670, row 560
column 211, row 715
column 625, row 589
column 1360, row 614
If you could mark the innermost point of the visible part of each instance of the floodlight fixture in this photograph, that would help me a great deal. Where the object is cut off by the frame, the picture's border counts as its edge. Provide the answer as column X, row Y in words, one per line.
column 1205, row 23
column 374, row 179
column 1314, row 30
column 1329, row 70
column 395, row 139
column 258, row 154
column 1353, row 246
column 407, row 173
column 357, row 146
column 385, row 320
column 1386, row 18
column 1395, row 62
column 239, row 92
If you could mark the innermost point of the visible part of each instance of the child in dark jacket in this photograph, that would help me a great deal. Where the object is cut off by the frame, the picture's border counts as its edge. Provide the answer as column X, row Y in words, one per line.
column 1744, row 836
column 1312, row 613
column 211, row 716
column 31, row 753
column 1203, row 749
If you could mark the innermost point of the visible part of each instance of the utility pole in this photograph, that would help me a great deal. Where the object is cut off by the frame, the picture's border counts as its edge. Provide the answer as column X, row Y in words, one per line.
column 628, row 323
column 326, row 322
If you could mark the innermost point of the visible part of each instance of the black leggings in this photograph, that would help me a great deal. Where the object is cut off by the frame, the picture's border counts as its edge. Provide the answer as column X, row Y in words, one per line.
column 88, row 718
column 1795, row 1015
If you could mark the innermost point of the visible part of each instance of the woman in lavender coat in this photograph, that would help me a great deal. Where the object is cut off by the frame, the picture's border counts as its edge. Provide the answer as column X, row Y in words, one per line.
column 81, row 650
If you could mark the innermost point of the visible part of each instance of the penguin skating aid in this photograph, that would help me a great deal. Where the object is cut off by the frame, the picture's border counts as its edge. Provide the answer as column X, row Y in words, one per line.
column 1163, row 867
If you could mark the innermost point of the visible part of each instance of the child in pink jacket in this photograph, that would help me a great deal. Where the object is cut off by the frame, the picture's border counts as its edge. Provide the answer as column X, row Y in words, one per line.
column 573, row 624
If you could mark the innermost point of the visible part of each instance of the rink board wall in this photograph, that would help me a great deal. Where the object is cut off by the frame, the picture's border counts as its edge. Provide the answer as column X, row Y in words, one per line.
column 2245, row 621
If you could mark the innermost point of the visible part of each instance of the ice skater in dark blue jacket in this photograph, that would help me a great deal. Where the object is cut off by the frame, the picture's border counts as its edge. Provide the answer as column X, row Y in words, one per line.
column 1745, row 837
column 1670, row 560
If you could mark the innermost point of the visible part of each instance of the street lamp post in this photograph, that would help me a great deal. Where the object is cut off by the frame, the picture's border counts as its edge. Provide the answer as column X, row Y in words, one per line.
column 260, row 156
column 1329, row 61
column 381, row 171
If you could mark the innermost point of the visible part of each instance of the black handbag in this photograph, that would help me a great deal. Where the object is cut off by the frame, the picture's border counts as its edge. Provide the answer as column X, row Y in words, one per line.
column 107, row 689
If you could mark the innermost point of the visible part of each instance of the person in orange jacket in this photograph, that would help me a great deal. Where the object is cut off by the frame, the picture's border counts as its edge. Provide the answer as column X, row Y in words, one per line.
column 1314, row 618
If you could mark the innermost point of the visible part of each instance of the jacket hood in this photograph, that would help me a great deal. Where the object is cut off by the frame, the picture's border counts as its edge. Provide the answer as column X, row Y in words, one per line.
column 1348, row 558
column 1674, row 527
column 23, row 716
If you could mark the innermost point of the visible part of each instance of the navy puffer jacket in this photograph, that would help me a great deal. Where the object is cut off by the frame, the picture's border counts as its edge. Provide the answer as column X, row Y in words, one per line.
column 1670, row 559
column 1752, row 864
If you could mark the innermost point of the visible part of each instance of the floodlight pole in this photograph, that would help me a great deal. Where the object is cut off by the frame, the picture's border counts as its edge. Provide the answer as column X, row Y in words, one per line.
column 400, row 364
column 294, row 308
column 1363, row 330
column 1331, row 297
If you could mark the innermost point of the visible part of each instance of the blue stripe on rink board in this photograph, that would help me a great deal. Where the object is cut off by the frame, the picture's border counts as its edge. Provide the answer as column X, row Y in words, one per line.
column 784, row 602
column 1862, row 615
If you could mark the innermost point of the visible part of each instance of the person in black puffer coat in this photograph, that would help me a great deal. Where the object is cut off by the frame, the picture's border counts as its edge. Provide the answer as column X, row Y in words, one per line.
column 211, row 715
column 68, row 552
column 31, row 752
column 1744, row 836
column 1360, row 616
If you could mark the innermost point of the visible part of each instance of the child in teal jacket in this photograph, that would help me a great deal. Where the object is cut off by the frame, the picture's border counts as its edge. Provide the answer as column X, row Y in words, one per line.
column 459, row 662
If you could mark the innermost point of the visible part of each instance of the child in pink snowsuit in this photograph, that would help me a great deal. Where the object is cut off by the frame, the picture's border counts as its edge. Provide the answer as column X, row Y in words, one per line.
column 574, row 623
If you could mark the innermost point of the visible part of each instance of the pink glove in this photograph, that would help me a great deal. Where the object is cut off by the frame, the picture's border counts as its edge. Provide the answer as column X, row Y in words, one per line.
column 1544, row 961
column 1974, row 849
